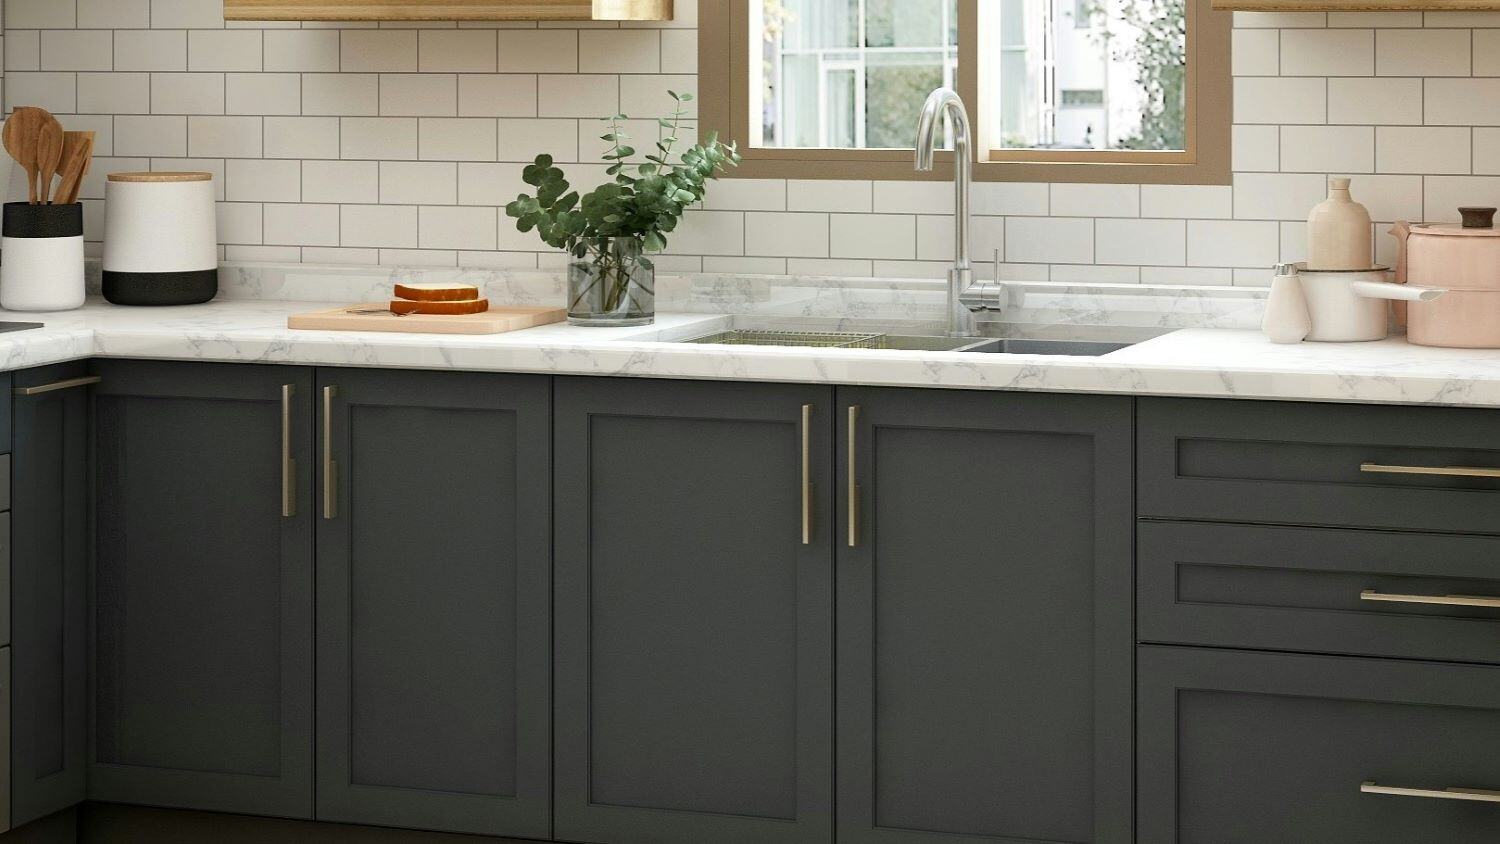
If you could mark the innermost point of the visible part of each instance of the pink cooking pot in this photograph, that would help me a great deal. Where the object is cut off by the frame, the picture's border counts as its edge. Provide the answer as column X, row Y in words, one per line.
column 1463, row 259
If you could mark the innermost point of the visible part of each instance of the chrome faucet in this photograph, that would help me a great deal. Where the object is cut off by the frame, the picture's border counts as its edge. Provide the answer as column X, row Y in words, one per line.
column 965, row 296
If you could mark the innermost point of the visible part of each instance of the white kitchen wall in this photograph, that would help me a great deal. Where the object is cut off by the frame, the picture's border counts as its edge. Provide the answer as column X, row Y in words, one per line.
column 399, row 144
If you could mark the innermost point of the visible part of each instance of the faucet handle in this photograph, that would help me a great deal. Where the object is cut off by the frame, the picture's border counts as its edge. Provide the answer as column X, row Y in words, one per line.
column 997, row 265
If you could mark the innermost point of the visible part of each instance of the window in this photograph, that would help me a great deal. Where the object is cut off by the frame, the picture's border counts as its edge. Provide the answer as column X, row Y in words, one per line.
column 1058, row 90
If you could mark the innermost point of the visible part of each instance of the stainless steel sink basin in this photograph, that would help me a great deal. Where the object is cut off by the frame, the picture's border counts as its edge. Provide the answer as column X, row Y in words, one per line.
column 904, row 342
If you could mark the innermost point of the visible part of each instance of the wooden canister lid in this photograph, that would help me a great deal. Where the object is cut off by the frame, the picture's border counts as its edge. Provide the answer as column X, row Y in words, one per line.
column 161, row 177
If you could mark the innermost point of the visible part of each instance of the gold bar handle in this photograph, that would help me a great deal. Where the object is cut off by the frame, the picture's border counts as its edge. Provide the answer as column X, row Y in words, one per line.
column 330, row 467
column 288, row 463
column 853, row 477
column 1444, row 600
column 1446, row 471
column 85, row 381
column 1481, row 795
column 807, row 490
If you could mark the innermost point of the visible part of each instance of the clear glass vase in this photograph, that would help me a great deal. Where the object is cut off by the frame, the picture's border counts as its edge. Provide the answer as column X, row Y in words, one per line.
column 613, row 285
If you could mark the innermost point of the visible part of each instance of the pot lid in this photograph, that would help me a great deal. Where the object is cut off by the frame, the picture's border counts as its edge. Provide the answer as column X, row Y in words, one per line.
column 1478, row 222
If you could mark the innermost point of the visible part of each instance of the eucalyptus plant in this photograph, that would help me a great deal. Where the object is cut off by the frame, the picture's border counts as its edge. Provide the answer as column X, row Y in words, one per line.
column 643, row 202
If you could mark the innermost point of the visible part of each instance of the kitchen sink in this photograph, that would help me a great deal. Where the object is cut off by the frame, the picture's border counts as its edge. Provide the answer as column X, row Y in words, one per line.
column 905, row 342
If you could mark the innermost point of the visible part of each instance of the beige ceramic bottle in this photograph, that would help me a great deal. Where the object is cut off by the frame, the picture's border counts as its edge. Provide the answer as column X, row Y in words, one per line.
column 1338, row 232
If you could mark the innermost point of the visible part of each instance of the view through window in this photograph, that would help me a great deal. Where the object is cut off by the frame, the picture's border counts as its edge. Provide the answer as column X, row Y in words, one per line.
column 1060, row 74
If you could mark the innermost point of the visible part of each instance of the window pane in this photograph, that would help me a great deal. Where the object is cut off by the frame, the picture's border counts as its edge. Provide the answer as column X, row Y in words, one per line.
column 852, row 73
column 1089, row 74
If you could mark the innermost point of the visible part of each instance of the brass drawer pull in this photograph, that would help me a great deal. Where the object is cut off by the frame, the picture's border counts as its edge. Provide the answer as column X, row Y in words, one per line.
column 853, row 477
column 288, row 463
column 1480, row 795
column 330, row 467
column 85, row 381
column 807, row 490
column 1446, row 471
column 1444, row 600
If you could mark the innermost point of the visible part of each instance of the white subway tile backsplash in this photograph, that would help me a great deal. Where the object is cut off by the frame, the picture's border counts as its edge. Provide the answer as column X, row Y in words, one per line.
column 1277, row 196
column 341, row 182
column 1089, row 200
column 1049, row 240
column 418, row 95
column 1323, row 149
column 1424, row 150
column 457, row 51
column 150, row 49
column 263, row 93
column 457, row 139
column 1256, row 52
column 263, row 180
column 875, row 236
column 497, row 95
column 450, row 227
column 787, row 234
column 829, row 195
column 418, row 183
column 341, row 94
column 350, row 142
column 1327, row 52
column 1422, row 52
column 1462, row 102
column 301, row 137
column 301, row 50
column 225, row 49
column 1375, row 101
column 1232, row 243
column 114, row 93
column 301, row 225
column 383, row 226
column 1282, row 100
column 378, row 51
column 393, row 138
column 214, row 136
column 77, row 49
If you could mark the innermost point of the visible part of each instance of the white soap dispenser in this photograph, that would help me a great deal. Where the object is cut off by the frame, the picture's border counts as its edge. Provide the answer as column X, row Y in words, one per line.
column 1287, row 319
column 1339, row 234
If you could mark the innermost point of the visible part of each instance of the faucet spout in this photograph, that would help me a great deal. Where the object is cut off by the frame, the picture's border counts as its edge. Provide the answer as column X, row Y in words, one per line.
column 964, row 295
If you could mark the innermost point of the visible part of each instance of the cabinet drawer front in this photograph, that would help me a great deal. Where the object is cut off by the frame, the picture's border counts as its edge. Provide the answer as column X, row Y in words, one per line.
column 1347, row 465
column 1252, row 747
column 1377, row 593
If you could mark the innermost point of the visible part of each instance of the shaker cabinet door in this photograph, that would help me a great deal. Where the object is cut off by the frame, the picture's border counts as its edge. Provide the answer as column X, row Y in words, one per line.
column 202, row 598
column 434, row 601
column 984, row 618
column 694, row 612
column 49, row 576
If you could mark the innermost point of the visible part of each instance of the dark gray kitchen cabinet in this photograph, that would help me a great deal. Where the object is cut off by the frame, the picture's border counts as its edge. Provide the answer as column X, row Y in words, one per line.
column 984, row 617
column 49, row 532
column 434, row 601
column 1241, row 747
column 694, row 573
column 203, row 587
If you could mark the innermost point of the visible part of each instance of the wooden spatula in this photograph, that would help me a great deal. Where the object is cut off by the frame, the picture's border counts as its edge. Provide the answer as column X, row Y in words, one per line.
column 49, row 153
column 20, row 136
column 78, row 150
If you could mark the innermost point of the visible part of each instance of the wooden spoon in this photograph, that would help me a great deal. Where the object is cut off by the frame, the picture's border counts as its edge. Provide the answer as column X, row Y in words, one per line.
column 20, row 137
column 78, row 149
column 49, row 153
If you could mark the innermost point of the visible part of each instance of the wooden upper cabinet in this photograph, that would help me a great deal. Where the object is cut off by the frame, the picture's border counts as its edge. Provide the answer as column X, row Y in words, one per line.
column 1357, row 5
column 449, row 10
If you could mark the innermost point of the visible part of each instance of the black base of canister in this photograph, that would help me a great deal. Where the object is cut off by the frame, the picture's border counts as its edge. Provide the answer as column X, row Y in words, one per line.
column 156, row 289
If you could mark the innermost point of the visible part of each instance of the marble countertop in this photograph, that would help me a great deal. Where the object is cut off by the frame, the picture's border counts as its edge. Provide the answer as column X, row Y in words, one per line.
column 1207, row 362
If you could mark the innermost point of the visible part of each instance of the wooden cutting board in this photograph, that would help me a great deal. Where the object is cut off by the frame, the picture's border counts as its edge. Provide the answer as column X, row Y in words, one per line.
column 493, row 321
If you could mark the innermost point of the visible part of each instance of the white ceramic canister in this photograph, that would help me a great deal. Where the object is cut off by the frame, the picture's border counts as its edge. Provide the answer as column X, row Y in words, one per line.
column 161, row 242
column 42, row 266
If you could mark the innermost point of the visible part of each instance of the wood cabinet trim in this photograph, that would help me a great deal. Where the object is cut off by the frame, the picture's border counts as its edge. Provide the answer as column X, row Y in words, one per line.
column 455, row 10
column 1356, row 5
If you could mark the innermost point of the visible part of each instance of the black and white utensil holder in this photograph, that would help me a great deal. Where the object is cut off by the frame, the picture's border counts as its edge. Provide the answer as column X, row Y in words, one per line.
column 41, row 257
column 160, row 239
